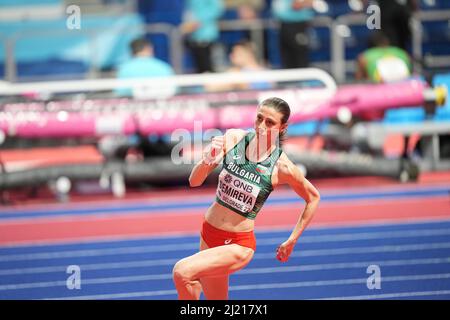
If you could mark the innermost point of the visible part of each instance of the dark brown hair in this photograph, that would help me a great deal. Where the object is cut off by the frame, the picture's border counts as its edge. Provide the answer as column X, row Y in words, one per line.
column 139, row 44
column 282, row 107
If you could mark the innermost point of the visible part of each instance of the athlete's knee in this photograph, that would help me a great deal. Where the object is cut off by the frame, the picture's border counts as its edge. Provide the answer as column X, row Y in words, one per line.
column 182, row 273
column 243, row 254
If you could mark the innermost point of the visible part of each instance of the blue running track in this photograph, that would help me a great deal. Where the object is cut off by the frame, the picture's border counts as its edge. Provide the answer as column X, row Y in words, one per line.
column 327, row 263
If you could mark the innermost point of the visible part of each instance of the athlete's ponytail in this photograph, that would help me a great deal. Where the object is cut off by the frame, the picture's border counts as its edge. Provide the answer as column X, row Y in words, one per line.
column 282, row 107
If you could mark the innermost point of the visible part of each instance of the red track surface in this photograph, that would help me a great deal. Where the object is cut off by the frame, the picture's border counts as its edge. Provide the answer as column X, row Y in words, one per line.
column 126, row 225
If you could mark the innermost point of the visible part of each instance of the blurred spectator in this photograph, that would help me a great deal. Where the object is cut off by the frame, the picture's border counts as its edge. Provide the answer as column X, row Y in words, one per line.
column 383, row 62
column 395, row 20
column 248, row 11
column 243, row 59
column 144, row 65
column 294, row 17
column 200, row 25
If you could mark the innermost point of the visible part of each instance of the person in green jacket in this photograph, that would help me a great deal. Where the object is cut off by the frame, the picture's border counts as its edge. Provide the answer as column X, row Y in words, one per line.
column 383, row 62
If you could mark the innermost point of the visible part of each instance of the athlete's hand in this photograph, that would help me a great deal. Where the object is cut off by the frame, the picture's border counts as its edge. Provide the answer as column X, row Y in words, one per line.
column 214, row 151
column 284, row 250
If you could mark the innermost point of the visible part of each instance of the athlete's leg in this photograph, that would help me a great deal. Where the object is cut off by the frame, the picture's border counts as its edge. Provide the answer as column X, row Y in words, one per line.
column 214, row 288
column 208, row 263
column 194, row 286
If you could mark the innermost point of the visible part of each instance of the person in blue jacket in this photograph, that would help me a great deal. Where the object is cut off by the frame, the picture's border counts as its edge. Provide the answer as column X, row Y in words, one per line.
column 294, row 17
column 143, row 64
column 200, row 26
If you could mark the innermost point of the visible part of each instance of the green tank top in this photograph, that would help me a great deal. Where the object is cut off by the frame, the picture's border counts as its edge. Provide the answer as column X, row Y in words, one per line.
column 244, row 185
column 386, row 63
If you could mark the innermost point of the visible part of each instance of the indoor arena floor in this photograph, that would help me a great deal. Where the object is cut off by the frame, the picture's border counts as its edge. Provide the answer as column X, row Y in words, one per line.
column 126, row 248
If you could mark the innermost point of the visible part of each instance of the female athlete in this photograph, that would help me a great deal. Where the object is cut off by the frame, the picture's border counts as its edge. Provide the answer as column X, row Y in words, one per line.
column 253, row 165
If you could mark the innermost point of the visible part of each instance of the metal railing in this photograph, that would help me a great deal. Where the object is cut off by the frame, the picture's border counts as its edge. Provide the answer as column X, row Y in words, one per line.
column 338, row 64
column 184, row 80
column 104, row 6
column 417, row 32
column 338, row 43
column 158, row 28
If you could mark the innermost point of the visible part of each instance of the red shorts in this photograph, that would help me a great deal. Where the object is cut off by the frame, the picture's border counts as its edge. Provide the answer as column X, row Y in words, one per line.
column 216, row 237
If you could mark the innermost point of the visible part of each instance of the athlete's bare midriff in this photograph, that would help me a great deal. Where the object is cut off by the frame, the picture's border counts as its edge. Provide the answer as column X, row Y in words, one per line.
column 225, row 219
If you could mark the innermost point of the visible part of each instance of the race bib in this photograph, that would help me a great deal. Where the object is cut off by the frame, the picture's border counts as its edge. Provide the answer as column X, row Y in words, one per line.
column 236, row 192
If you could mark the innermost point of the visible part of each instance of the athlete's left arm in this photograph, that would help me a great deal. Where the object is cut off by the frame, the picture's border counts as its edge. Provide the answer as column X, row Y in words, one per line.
column 289, row 173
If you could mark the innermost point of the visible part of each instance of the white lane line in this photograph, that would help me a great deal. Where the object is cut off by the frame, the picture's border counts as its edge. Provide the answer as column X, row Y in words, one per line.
column 194, row 246
column 86, row 282
column 119, row 295
column 171, row 262
column 267, row 286
column 271, row 270
column 99, row 252
column 345, row 265
column 93, row 266
column 361, row 250
column 363, row 236
column 298, row 253
column 392, row 295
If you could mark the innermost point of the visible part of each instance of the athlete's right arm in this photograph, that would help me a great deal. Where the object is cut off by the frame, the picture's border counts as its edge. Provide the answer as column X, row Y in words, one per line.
column 210, row 159
column 212, row 156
